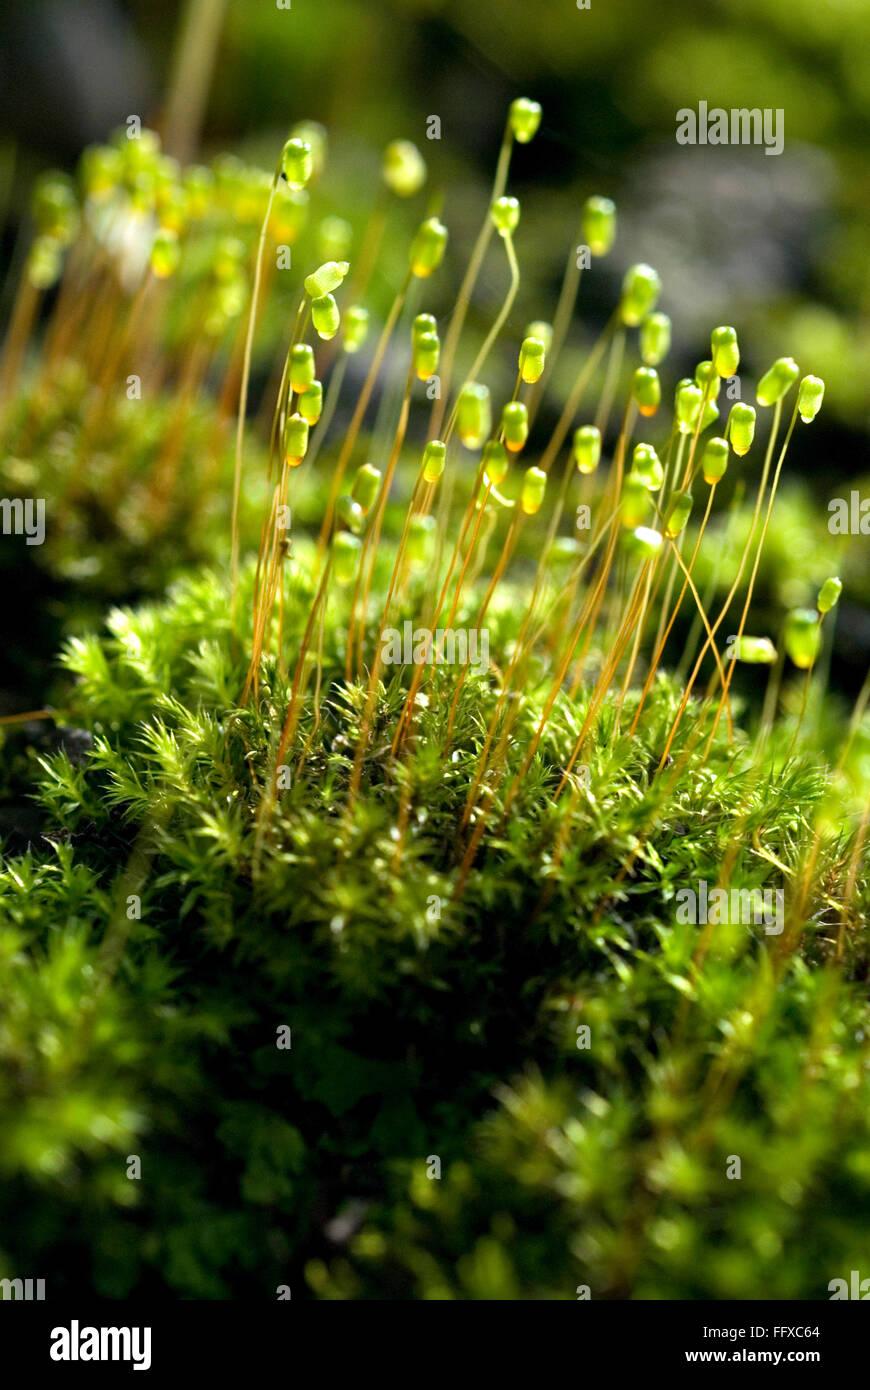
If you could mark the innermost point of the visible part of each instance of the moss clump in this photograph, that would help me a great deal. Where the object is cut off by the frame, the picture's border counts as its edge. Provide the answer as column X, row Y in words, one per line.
column 153, row 947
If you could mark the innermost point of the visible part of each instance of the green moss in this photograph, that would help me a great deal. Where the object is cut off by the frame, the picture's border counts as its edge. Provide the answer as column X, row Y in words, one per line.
column 423, row 1024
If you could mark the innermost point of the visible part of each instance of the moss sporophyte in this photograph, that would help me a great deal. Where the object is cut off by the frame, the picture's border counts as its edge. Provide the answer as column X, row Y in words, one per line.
column 287, row 792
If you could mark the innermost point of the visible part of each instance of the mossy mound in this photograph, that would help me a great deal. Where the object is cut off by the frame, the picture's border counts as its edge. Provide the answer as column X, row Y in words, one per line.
column 158, row 946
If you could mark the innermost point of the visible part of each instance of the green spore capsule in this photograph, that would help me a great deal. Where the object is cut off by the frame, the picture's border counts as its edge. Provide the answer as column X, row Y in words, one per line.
column 741, row 427
column 325, row 317
column 755, row 651
column 646, row 541
column 404, row 168
column 356, row 327
column 710, row 415
column 714, row 460
column 646, row 390
column 350, row 513
column 495, row 462
column 366, row 486
column 640, row 291
column 725, row 350
column 198, row 183
column 44, row 261
column 811, row 393
column 295, row 440
column 687, row 405
column 325, row 279
column 297, row 162
column 829, row 594
column 777, row 381
column 421, row 538
column 678, row 514
column 598, row 224
column 426, row 353
column 334, row 238
column 434, row 459
column 316, row 136
column 533, row 490
column 532, row 358
column 100, row 171
column 473, row 415
column 587, row 448
column 345, row 556
column 505, row 214
column 708, row 379
column 423, row 323
column 515, row 425
column 165, row 253
column 541, row 330
column 428, row 247
column 635, row 503
column 525, row 117
column 301, row 367
column 802, row 637
column 646, row 466
column 655, row 338
column 55, row 209
column 289, row 213
column 229, row 257
column 563, row 551
column 311, row 403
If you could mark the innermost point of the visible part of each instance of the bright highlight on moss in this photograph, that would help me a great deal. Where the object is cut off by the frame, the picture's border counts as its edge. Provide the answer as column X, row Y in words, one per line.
column 687, row 405
column 165, row 253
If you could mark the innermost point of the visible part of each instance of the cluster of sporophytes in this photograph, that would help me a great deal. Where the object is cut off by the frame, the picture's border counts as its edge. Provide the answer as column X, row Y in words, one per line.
column 377, row 964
